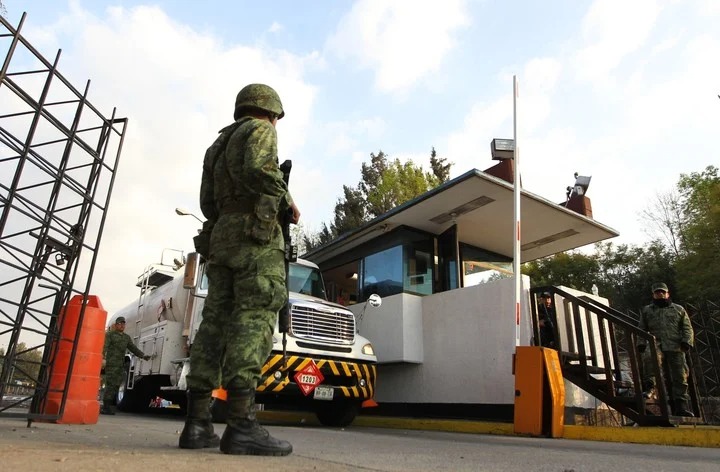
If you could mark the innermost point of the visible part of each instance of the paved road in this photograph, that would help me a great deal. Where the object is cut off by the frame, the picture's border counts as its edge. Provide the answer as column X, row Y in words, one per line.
column 149, row 444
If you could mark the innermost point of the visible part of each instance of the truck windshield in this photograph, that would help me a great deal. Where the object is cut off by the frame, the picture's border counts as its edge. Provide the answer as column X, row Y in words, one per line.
column 307, row 281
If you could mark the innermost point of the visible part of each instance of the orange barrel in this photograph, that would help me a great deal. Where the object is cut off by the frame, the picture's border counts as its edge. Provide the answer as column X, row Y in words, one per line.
column 81, row 403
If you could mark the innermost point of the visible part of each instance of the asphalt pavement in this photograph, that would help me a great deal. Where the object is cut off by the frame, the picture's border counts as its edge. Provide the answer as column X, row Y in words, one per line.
column 149, row 443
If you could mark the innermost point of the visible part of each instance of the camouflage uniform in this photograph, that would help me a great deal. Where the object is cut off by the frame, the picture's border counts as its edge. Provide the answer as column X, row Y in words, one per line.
column 671, row 327
column 242, row 195
column 116, row 344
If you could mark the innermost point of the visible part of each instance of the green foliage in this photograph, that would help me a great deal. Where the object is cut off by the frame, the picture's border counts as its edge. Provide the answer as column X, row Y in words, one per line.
column 572, row 269
column 698, row 265
column 686, row 256
column 27, row 362
column 398, row 184
column 440, row 168
column 623, row 273
column 385, row 184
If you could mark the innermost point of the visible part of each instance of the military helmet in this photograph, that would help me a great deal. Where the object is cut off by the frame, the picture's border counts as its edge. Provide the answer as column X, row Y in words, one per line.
column 258, row 96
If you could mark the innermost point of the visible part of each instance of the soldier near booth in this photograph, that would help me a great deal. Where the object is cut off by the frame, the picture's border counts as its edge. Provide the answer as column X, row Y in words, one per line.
column 243, row 196
column 117, row 343
column 547, row 319
column 670, row 324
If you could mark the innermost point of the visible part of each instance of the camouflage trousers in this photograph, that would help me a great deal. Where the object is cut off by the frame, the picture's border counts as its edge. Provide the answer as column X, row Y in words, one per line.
column 235, row 336
column 675, row 370
column 112, row 377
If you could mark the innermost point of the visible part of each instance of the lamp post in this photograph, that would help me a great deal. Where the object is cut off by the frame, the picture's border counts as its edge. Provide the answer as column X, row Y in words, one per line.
column 184, row 212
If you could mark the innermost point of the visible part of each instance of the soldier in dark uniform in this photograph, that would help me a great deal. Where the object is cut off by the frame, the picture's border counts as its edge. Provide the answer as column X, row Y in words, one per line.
column 116, row 344
column 670, row 324
column 546, row 318
column 243, row 196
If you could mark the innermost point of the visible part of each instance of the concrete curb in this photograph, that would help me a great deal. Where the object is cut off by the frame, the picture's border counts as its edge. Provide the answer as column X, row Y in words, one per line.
column 694, row 436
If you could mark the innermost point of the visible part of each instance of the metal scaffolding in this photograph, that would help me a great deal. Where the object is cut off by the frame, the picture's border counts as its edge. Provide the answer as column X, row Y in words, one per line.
column 58, row 160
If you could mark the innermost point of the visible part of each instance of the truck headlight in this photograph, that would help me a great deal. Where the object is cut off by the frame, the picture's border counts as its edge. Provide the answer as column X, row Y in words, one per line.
column 368, row 350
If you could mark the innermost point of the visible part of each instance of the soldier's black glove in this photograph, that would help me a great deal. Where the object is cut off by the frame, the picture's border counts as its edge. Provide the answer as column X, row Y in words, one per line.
column 685, row 347
column 641, row 348
column 147, row 358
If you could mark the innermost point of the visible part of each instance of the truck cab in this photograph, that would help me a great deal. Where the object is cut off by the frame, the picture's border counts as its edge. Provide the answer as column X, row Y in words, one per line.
column 321, row 364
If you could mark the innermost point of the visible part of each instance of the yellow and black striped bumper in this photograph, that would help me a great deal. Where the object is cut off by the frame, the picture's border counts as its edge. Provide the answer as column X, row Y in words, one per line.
column 343, row 376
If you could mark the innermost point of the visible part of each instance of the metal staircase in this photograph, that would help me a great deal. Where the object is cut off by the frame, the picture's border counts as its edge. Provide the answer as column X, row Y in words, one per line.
column 597, row 348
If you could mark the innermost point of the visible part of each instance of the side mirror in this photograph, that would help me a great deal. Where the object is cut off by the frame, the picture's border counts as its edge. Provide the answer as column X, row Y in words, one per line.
column 374, row 300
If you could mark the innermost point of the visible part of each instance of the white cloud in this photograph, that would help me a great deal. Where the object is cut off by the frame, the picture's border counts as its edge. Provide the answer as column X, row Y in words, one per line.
column 469, row 147
column 401, row 41
column 177, row 87
column 275, row 27
column 642, row 122
column 613, row 29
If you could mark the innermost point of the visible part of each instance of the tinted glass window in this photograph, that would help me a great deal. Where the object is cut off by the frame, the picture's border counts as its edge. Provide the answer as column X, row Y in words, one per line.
column 383, row 273
column 418, row 268
column 480, row 266
column 306, row 280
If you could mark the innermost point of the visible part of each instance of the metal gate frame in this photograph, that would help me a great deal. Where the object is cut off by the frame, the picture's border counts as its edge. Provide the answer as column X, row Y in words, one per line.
column 58, row 161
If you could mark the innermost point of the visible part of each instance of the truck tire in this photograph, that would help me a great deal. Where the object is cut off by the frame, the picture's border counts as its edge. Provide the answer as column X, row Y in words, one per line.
column 337, row 413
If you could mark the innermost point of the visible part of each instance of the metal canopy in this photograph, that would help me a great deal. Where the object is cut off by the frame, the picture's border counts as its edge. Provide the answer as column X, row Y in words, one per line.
column 482, row 207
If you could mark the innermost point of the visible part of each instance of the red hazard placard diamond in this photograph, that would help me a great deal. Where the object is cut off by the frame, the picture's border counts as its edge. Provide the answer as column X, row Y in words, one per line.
column 308, row 378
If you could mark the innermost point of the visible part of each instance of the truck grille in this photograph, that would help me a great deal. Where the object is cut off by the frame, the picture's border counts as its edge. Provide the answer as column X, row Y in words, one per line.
column 326, row 324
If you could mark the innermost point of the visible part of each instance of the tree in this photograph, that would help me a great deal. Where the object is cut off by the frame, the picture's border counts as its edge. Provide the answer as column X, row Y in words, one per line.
column 665, row 217
column 627, row 272
column 384, row 185
column 440, row 169
column 27, row 362
column 623, row 273
column 572, row 269
column 699, row 263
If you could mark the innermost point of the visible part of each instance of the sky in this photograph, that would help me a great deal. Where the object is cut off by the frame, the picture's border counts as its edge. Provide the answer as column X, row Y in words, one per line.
column 625, row 92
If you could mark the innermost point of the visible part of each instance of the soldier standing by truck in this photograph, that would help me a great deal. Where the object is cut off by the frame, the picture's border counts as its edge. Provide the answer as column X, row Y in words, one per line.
column 243, row 197
column 116, row 344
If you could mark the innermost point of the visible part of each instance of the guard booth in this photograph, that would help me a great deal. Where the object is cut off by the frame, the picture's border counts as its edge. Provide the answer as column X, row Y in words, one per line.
column 445, row 336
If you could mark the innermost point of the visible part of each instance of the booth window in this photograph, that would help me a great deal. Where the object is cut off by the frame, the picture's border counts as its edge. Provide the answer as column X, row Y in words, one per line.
column 481, row 266
column 418, row 268
column 382, row 273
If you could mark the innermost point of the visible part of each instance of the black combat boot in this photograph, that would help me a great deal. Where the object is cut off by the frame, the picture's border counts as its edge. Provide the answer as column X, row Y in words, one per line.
column 681, row 408
column 108, row 406
column 198, row 431
column 243, row 434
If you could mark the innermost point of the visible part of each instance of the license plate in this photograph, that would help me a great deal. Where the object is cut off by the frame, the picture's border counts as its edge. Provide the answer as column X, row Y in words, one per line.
column 323, row 393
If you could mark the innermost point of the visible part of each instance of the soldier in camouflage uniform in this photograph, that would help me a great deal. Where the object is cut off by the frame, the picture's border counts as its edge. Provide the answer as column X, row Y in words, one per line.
column 670, row 324
column 243, row 196
column 116, row 344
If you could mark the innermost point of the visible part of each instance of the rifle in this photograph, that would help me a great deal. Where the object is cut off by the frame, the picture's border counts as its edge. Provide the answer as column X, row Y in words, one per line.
column 290, row 256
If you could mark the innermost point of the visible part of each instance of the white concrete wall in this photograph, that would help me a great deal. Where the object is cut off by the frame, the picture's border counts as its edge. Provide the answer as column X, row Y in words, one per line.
column 452, row 347
column 468, row 339
column 395, row 328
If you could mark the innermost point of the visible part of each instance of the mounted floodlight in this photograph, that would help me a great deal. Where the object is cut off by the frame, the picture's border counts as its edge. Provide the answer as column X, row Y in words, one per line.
column 501, row 149
column 582, row 183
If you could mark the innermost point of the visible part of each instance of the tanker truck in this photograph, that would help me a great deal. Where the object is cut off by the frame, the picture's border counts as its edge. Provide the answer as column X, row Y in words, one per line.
column 323, row 365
